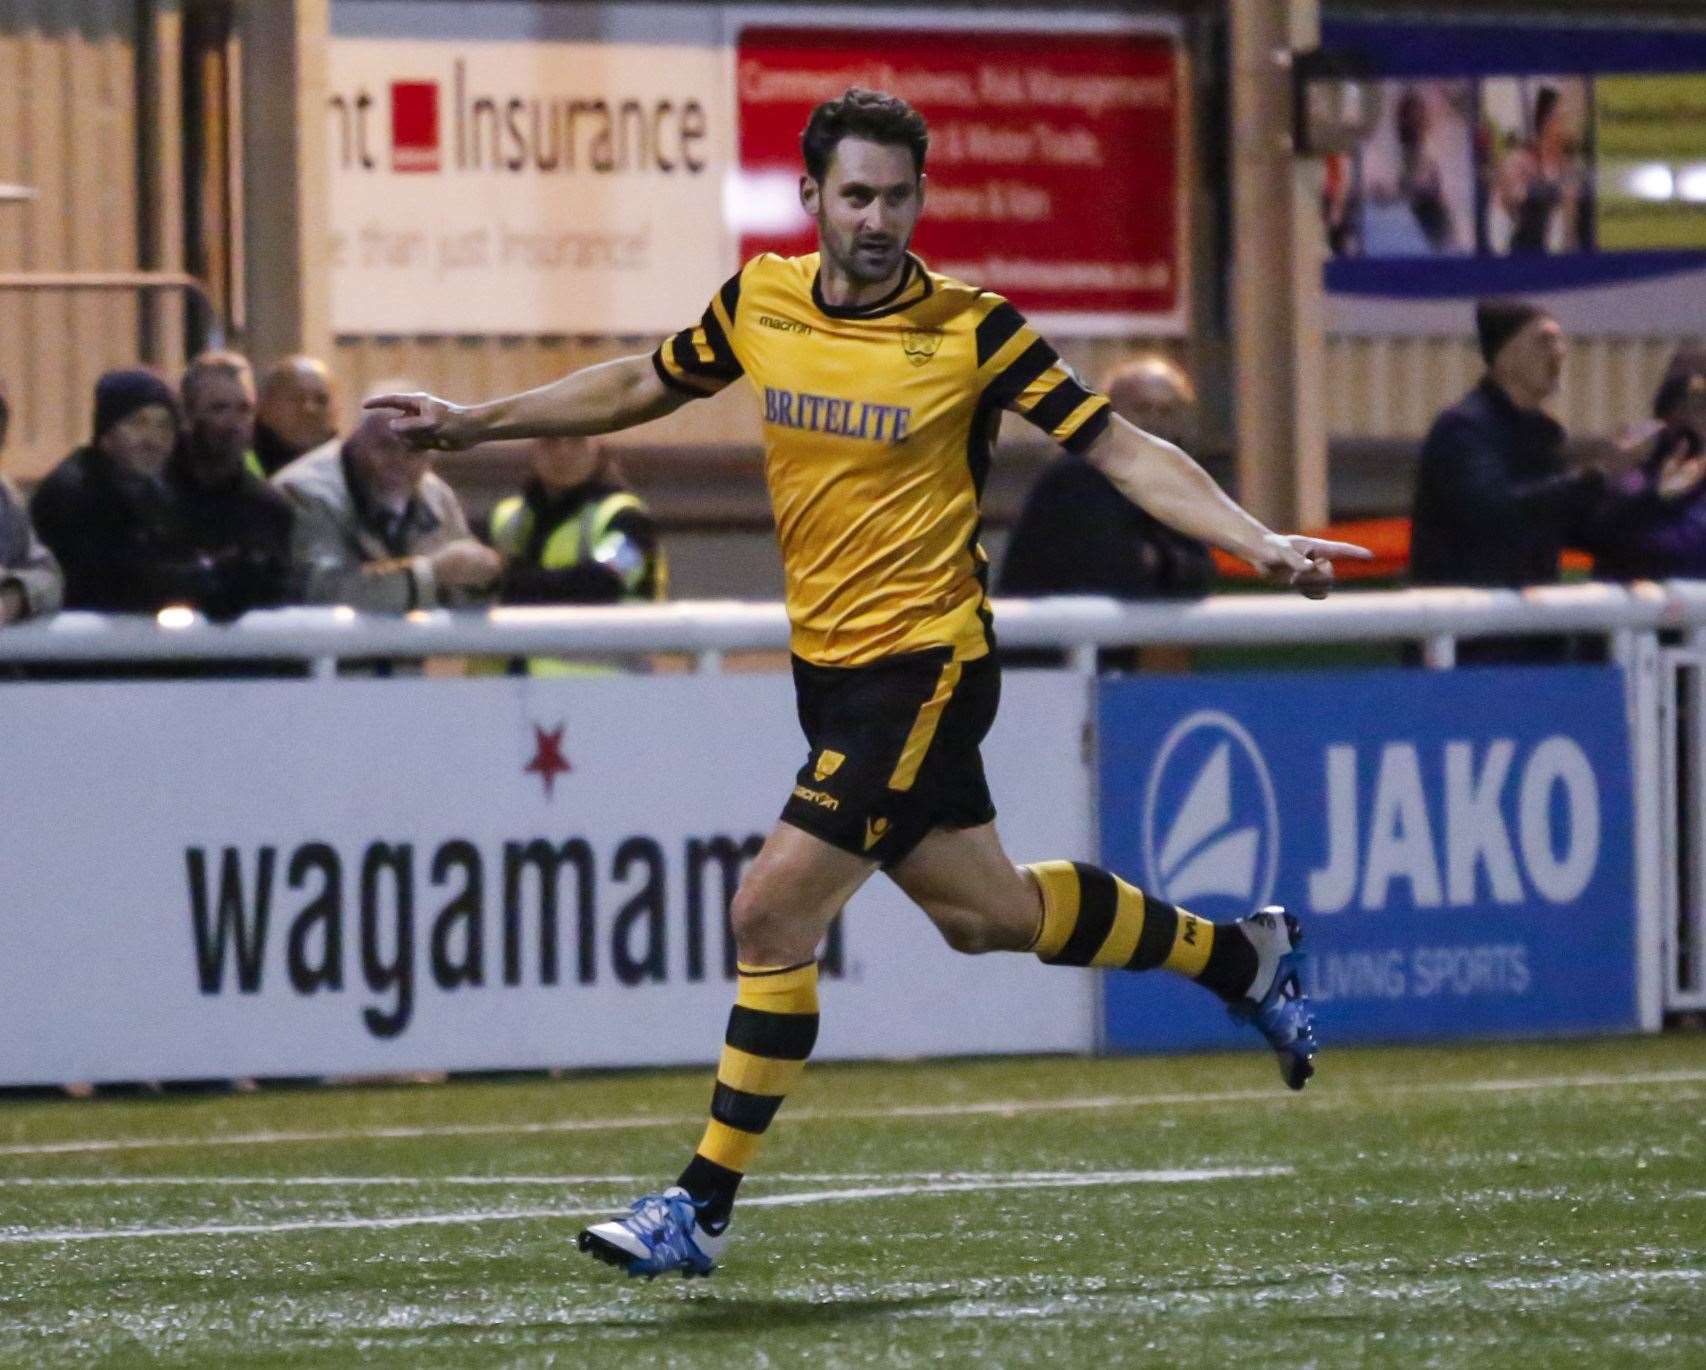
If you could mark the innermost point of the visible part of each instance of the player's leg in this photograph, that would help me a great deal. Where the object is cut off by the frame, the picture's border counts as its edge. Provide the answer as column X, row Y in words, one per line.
column 1074, row 914
column 780, row 915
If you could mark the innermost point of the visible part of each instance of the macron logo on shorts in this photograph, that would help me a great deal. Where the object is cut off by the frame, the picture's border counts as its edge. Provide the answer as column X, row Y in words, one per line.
column 875, row 829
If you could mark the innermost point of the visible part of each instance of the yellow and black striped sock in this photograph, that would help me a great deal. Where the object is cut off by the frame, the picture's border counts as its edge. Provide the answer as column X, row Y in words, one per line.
column 1092, row 918
column 772, row 1029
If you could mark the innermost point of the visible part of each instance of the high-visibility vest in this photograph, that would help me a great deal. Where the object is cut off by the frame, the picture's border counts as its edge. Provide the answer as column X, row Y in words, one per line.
column 568, row 544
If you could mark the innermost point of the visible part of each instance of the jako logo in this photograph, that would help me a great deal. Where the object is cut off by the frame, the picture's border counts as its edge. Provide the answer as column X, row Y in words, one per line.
column 1210, row 823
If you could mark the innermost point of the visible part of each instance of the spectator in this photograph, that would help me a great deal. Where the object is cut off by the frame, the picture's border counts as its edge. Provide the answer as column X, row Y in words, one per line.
column 1495, row 504
column 237, row 523
column 1078, row 535
column 105, row 510
column 377, row 530
column 1653, row 525
column 577, row 534
column 297, row 413
column 30, row 583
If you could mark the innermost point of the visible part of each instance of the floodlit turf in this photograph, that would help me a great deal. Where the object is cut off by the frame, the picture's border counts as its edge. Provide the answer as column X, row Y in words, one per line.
column 1500, row 1206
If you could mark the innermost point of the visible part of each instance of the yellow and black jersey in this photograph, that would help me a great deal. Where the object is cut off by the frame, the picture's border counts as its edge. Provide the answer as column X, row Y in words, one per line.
column 878, row 423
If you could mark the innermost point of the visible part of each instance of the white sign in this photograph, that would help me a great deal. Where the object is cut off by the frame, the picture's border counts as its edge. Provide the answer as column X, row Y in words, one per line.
column 526, row 186
column 287, row 878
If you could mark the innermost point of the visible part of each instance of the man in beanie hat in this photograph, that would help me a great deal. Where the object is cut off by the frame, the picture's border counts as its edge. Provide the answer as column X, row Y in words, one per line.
column 30, row 582
column 103, row 509
column 111, row 518
column 1495, row 502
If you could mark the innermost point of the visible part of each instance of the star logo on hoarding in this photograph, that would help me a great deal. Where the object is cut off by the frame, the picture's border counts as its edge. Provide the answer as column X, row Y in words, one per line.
column 548, row 759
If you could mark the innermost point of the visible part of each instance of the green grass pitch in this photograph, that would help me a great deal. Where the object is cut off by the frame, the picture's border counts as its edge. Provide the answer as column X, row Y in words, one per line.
column 1510, row 1205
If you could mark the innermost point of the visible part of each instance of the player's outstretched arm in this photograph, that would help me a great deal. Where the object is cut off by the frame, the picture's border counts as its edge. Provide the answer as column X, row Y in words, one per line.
column 596, row 399
column 1160, row 477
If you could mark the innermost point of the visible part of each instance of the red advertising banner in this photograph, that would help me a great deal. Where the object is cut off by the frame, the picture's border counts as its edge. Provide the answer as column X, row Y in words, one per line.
column 1054, row 164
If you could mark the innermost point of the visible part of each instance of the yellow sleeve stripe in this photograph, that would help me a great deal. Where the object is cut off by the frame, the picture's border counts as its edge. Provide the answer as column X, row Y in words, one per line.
column 1080, row 416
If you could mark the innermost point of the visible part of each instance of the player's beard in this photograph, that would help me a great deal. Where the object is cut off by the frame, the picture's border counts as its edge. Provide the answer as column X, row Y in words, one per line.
column 864, row 268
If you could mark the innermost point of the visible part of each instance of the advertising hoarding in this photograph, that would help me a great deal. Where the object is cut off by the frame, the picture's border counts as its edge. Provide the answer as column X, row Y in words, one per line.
column 253, row 878
column 1459, row 845
column 1055, row 166
column 1560, row 163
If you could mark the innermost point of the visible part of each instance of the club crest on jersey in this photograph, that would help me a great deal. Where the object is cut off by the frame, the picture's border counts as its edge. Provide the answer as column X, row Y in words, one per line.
column 920, row 344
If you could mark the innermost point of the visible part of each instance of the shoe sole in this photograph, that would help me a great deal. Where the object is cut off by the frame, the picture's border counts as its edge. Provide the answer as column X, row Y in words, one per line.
column 607, row 1251
column 1298, row 1069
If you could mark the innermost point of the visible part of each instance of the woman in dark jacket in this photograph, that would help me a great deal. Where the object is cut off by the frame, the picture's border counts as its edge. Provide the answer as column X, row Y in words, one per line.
column 1652, row 523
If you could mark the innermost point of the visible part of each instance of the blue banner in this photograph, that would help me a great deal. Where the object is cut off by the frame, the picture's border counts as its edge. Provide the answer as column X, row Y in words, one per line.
column 1458, row 845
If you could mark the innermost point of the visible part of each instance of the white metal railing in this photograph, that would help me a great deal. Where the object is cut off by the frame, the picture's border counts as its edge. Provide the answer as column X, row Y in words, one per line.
column 1435, row 618
column 1668, row 745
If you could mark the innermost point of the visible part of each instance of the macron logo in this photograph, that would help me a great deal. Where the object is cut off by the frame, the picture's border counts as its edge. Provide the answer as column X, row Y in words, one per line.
column 1210, row 823
column 414, row 126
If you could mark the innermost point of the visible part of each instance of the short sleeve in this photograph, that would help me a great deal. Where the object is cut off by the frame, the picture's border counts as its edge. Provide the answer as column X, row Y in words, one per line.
column 1021, row 372
column 699, row 360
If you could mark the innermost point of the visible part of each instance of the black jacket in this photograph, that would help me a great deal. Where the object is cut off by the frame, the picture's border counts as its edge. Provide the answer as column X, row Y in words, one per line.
column 240, row 527
column 1495, row 505
column 134, row 544
column 1078, row 535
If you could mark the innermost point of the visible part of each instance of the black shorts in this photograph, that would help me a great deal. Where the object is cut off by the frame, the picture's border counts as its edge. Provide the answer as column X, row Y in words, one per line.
column 894, row 750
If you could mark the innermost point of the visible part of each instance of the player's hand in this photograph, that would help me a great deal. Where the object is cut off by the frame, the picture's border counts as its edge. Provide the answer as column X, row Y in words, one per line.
column 1305, row 563
column 425, row 421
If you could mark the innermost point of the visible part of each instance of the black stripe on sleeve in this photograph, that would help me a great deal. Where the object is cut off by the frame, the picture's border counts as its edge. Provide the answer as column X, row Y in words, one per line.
column 730, row 294
column 748, row 1112
column 686, row 356
column 674, row 382
column 1011, row 383
column 1054, row 408
column 998, row 326
column 1098, row 901
column 780, row 1036
column 726, row 365
column 1088, row 431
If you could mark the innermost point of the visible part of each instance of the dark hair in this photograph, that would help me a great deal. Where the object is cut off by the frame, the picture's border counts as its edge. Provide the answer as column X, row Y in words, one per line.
column 1545, row 106
column 1688, row 364
column 5, row 415
column 861, row 113
column 1497, row 321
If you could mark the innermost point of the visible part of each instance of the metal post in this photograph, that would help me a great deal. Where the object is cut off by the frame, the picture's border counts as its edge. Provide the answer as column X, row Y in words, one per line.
column 1641, row 691
column 1439, row 652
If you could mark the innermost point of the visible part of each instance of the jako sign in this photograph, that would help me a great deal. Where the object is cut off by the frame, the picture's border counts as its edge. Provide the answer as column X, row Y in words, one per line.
column 1458, row 844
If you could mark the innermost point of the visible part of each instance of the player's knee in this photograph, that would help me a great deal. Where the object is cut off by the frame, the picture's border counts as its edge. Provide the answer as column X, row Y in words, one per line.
column 970, row 932
column 751, row 918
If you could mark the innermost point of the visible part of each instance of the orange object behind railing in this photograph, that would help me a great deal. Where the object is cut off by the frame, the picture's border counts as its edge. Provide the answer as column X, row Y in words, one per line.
column 1388, row 539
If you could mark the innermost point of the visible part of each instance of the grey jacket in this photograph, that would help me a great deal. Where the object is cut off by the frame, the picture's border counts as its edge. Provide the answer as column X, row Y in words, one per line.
column 340, row 553
column 24, row 558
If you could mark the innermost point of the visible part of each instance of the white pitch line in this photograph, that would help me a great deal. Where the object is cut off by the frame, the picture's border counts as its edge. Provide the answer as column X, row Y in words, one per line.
column 1000, row 1108
column 1057, row 1180
column 493, row 1181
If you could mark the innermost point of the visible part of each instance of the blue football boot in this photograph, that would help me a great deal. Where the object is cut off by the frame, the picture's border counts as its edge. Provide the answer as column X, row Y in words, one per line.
column 661, row 1233
column 1276, row 1004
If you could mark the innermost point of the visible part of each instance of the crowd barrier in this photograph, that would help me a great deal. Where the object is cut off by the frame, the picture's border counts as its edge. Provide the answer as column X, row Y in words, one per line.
column 339, row 873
